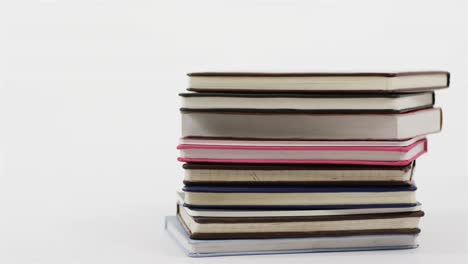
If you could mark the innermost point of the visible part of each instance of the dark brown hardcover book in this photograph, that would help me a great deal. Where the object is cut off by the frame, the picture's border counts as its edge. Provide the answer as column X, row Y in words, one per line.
column 302, row 226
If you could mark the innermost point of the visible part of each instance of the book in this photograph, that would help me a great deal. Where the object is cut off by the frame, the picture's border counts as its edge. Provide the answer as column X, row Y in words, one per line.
column 230, row 247
column 362, row 82
column 295, row 174
column 240, row 212
column 304, row 197
column 306, row 103
column 308, row 143
column 294, row 126
column 367, row 155
column 200, row 227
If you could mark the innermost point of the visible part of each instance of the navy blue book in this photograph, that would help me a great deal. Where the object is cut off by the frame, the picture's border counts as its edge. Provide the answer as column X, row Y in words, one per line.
column 285, row 197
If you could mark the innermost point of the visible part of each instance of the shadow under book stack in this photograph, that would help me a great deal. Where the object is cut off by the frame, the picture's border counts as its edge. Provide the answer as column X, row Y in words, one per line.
column 302, row 162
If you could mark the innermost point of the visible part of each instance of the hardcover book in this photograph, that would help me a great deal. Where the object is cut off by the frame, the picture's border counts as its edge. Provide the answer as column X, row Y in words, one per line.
column 294, row 126
column 240, row 212
column 304, row 197
column 362, row 82
column 200, row 227
column 306, row 103
column 295, row 174
column 231, row 247
column 305, row 154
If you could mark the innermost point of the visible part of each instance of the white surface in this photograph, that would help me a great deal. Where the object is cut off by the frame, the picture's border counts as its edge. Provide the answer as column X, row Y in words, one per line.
column 89, row 113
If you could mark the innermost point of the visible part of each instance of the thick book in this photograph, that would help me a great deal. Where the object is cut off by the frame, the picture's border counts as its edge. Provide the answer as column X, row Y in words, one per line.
column 379, row 154
column 295, row 174
column 357, row 82
column 300, row 126
column 306, row 103
column 200, row 227
column 306, row 197
column 233, row 247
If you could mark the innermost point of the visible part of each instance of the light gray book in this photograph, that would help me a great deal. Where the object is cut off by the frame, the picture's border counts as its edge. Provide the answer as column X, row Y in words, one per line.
column 294, row 126
column 227, row 247
column 306, row 103
column 314, row 82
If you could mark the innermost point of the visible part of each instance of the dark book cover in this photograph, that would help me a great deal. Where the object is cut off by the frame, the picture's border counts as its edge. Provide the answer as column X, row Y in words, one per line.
column 296, row 189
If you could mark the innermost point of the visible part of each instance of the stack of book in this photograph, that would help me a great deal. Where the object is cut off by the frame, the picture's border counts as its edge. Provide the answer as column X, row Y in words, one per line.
column 302, row 162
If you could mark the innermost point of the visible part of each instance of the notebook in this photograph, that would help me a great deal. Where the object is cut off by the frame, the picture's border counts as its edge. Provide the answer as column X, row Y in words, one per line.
column 362, row 82
column 200, row 227
column 300, row 126
column 304, row 154
column 241, row 212
column 295, row 174
column 306, row 103
column 304, row 197
column 233, row 247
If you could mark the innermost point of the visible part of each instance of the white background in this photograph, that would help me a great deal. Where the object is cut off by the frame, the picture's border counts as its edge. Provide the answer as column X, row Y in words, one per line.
column 89, row 116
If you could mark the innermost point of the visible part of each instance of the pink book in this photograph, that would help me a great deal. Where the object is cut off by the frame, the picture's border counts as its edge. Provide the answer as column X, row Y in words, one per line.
column 389, row 153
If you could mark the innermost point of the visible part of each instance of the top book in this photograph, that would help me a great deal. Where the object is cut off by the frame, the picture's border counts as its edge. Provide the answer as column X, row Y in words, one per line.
column 356, row 82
